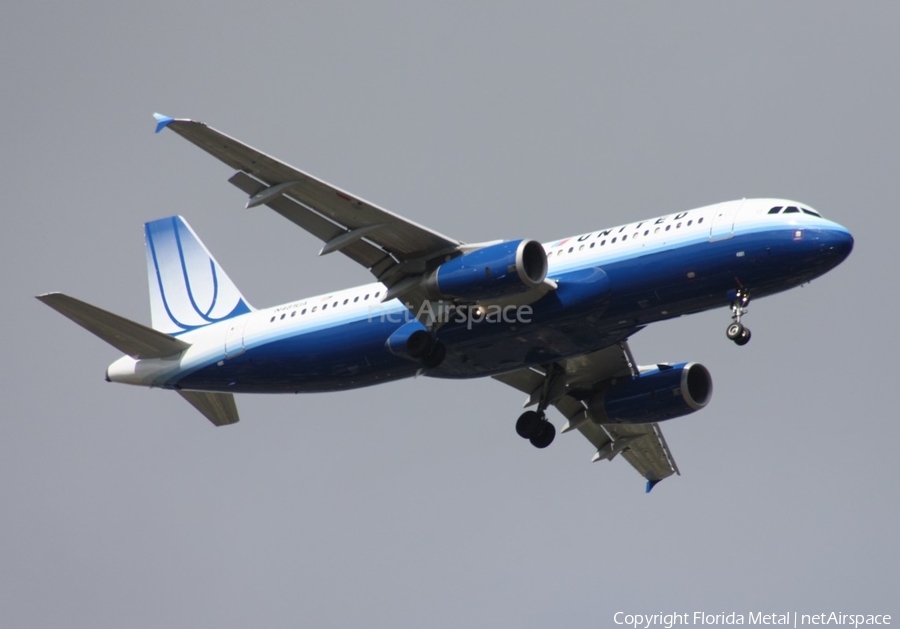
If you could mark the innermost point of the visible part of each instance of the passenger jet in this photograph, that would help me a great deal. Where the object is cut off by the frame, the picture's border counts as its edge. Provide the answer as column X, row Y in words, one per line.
column 550, row 319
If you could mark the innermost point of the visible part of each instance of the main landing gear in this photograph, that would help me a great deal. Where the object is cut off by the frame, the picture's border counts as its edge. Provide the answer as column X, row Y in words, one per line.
column 534, row 426
column 737, row 331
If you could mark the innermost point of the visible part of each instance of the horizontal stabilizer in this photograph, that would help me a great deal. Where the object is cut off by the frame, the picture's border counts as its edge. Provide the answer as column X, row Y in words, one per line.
column 219, row 408
column 134, row 339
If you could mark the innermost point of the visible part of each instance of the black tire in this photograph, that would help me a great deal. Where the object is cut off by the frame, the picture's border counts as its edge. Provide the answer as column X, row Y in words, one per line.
column 544, row 436
column 734, row 331
column 528, row 424
column 744, row 338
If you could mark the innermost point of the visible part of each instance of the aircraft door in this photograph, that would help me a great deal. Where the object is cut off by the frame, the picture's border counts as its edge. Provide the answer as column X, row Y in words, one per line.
column 722, row 225
column 234, row 337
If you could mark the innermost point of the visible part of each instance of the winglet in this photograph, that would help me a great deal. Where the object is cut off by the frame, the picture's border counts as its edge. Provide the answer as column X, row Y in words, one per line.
column 162, row 122
column 651, row 484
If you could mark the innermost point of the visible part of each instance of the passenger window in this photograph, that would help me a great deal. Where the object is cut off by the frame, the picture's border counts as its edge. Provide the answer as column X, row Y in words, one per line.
column 294, row 314
column 690, row 222
column 602, row 242
column 571, row 249
column 366, row 297
column 324, row 306
column 624, row 238
column 303, row 312
column 646, row 231
column 378, row 293
column 592, row 245
column 272, row 319
column 699, row 220
column 790, row 210
column 668, row 227
column 678, row 226
column 775, row 210
column 612, row 241
column 283, row 315
column 314, row 308
column 581, row 248
column 345, row 301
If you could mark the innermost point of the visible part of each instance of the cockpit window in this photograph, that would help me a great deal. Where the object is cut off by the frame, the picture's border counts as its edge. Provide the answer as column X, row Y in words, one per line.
column 792, row 209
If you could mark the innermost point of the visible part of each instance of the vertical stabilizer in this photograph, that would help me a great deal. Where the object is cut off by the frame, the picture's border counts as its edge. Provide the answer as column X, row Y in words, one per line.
column 188, row 288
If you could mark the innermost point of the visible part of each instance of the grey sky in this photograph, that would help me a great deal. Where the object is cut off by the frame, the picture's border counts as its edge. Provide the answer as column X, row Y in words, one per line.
column 415, row 504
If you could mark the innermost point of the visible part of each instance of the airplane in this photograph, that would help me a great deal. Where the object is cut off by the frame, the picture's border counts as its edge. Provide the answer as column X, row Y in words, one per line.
column 551, row 320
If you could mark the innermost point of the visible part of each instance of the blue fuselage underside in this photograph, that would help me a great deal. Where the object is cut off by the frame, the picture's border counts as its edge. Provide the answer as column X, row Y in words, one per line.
column 589, row 310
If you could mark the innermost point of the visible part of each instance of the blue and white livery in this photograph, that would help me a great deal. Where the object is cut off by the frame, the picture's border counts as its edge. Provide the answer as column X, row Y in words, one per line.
column 550, row 319
column 188, row 289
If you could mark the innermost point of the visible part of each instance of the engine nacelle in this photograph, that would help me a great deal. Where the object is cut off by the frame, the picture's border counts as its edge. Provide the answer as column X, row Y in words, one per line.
column 493, row 271
column 413, row 341
column 655, row 395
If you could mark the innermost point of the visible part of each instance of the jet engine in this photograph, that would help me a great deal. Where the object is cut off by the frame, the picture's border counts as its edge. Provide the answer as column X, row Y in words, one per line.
column 493, row 271
column 658, row 394
column 412, row 341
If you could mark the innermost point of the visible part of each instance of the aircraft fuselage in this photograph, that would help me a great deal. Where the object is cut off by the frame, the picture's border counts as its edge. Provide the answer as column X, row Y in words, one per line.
column 609, row 284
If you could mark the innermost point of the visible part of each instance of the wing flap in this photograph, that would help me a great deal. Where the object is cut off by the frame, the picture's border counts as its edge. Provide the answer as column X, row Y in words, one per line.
column 361, row 252
column 642, row 445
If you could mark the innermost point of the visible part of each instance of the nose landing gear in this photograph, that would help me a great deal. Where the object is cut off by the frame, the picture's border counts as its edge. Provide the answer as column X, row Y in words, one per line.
column 737, row 331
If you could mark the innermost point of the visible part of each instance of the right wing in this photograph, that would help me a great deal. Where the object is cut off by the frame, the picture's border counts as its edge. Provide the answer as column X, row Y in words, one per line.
column 393, row 248
column 567, row 383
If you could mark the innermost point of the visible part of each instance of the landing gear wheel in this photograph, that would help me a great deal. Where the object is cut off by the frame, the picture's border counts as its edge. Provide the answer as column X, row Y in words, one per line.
column 738, row 333
column 528, row 424
column 544, row 436
column 734, row 331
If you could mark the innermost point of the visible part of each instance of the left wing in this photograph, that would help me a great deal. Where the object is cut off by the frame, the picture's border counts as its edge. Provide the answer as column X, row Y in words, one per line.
column 566, row 384
column 392, row 248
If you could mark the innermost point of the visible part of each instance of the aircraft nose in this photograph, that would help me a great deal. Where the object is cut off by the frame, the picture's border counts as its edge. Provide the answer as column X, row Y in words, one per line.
column 835, row 245
column 839, row 242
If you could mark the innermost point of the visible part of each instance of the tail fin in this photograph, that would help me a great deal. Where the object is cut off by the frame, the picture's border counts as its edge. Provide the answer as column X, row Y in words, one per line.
column 188, row 288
